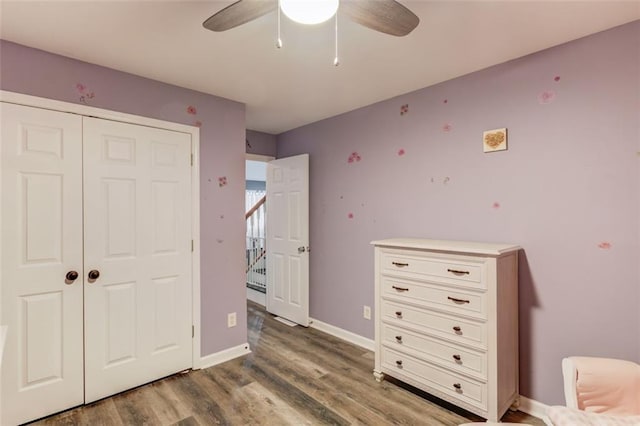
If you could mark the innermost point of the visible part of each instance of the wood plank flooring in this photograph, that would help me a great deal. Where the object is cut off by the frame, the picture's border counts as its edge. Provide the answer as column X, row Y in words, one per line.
column 294, row 376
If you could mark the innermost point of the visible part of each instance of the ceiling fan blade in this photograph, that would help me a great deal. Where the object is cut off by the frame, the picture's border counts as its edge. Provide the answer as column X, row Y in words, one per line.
column 239, row 13
column 386, row 16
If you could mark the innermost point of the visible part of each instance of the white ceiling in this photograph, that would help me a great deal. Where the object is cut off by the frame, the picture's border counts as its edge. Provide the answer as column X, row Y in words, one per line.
column 289, row 87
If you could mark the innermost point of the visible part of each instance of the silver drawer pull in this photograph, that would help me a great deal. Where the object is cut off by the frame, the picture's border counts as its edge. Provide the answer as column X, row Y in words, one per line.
column 399, row 314
column 457, row 357
column 458, row 272
column 399, row 363
column 453, row 299
column 457, row 329
column 399, row 264
column 458, row 386
column 399, row 339
column 399, row 288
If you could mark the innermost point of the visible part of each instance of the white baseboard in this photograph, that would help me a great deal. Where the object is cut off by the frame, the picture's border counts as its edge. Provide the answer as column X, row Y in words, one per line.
column 224, row 356
column 343, row 334
column 533, row 407
column 256, row 297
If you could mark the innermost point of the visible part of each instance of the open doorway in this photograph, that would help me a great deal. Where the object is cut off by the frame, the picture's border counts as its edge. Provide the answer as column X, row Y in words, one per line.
column 255, row 208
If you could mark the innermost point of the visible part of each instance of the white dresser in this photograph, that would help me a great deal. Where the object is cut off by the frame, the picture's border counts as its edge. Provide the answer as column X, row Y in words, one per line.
column 446, row 320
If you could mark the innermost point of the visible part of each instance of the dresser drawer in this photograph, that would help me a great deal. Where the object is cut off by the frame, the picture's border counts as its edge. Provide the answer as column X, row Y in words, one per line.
column 435, row 350
column 464, row 273
column 464, row 389
column 441, row 325
column 436, row 296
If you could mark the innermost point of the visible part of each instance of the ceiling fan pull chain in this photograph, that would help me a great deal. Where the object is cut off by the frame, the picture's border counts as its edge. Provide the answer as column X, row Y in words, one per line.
column 279, row 41
column 336, row 61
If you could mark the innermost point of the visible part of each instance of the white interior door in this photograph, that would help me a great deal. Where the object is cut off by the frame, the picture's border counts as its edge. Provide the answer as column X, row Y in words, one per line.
column 41, row 215
column 137, row 229
column 288, row 238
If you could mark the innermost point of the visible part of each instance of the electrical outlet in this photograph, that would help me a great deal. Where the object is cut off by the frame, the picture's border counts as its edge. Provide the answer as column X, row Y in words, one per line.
column 231, row 319
column 366, row 312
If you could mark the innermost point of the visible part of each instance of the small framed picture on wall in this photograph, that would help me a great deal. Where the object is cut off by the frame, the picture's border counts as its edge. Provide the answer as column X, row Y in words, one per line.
column 494, row 140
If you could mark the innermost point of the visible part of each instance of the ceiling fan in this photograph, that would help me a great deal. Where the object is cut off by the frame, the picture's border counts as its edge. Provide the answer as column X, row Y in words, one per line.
column 385, row 16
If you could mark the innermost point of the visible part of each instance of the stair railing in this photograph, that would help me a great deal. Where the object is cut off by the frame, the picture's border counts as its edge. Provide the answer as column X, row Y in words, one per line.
column 256, row 246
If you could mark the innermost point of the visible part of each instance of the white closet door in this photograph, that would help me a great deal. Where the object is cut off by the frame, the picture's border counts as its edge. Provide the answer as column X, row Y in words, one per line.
column 41, row 181
column 137, row 228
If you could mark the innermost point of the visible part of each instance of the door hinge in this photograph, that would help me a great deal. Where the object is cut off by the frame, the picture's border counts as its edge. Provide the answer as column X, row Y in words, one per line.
column 191, row 245
column 193, row 331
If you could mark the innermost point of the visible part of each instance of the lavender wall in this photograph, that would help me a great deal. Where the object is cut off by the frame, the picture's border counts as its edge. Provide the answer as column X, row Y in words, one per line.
column 261, row 143
column 222, row 151
column 566, row 190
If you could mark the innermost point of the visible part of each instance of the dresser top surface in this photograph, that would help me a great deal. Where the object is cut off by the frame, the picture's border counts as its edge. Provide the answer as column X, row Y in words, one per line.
column 493, row 249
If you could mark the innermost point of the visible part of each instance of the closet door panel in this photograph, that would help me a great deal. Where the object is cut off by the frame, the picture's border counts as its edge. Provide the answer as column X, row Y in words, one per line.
column 138, row 236
column 41, row 215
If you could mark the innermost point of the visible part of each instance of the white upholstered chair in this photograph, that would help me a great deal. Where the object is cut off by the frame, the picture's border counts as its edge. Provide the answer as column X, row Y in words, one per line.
column 598, row 392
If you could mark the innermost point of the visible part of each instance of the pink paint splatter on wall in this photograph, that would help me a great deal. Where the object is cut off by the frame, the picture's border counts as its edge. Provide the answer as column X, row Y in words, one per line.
column 447, row 127
column 444, row 101
column 84, row 93
column 191, row 110
column 350, row 215
column 556, row 78
column 354, row 157
column 547, row 97
column 222, row 181
column 401, row 152
column 605, row 245
column 198, row 123
column 404, row 109
column 496, row 205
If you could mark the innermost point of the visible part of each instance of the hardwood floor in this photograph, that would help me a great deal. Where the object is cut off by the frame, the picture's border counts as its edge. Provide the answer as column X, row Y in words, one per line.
column 294, row 376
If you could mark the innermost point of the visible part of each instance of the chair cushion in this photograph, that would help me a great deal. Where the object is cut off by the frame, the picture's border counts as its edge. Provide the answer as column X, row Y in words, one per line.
column 610, row 386
column 563, row 416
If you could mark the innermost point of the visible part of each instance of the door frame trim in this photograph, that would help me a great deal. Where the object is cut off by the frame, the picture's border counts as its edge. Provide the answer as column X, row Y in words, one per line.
column 194, row 132
column 259, row 157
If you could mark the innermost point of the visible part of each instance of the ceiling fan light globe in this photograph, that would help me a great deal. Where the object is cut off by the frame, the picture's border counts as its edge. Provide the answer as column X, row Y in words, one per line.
column 309, row 12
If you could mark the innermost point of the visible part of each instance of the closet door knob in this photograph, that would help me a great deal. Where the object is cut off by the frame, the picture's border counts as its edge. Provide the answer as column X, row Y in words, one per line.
column 71, row 276
column 94, row 274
